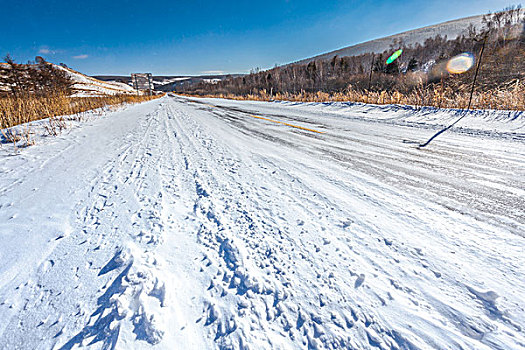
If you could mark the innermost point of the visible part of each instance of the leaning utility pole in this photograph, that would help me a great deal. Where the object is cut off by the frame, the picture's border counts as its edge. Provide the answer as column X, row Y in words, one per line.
column 470, row 99
column 371, row 70
column 477, row 70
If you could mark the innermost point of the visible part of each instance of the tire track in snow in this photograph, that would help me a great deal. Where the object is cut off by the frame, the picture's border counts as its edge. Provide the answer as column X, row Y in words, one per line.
column 233, row 278
column 422, row 171
column 384, row 259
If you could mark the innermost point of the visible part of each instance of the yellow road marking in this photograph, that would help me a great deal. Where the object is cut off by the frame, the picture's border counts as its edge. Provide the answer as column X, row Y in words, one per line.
column 288, row 124
column 279, row 122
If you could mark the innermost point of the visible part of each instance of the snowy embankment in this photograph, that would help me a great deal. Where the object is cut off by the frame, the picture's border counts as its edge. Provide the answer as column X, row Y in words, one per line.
column 86, row 86
column 497, row 123
column 194, row 224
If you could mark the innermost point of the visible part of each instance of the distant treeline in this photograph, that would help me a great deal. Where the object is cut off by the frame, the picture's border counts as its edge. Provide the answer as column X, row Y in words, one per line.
column 420, row 67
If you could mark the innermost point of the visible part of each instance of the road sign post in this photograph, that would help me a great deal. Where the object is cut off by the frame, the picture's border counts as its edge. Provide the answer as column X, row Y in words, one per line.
column 142, row 82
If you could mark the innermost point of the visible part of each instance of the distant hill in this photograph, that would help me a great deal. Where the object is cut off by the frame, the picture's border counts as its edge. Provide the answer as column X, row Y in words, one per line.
column 451, row 29
column 168, row 82
column 157, row 79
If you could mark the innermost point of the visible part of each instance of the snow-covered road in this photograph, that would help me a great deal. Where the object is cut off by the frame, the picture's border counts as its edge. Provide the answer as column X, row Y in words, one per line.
column 184, row 223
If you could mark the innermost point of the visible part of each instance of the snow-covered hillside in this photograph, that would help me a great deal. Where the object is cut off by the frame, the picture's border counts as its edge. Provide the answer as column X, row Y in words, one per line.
column 89, row 86
column 451, row 29
column 193, row 224
column 85, row 85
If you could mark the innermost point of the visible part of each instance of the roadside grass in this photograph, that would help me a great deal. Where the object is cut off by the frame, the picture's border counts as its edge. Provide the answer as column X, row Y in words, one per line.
column 21, row 110
column 512, row 98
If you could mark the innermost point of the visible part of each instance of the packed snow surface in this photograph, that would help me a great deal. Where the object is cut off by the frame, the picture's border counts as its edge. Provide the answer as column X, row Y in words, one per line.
column 192, row 224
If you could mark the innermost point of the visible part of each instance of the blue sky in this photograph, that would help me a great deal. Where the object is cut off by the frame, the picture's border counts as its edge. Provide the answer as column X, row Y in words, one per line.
column 199, row 37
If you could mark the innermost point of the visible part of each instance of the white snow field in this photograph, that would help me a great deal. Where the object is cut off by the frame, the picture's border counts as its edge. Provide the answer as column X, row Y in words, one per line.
column 190, row 224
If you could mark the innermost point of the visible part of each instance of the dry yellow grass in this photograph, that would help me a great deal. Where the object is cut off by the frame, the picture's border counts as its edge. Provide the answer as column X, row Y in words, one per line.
column 16, row 111
column 510, row 99
column 20, row 111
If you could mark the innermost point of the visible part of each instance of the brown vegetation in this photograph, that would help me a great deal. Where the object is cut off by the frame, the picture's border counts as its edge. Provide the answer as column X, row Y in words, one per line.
column 418, row 77
column 38, row 78
column 40, row 90
column 436, row 95
column 21, row 110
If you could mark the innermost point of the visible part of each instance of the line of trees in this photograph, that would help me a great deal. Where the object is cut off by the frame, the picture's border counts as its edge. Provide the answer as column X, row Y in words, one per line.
column 419, row 65
column 38, row 78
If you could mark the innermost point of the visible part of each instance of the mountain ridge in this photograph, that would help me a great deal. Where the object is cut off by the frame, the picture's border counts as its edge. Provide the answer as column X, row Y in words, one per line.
column 451, row 29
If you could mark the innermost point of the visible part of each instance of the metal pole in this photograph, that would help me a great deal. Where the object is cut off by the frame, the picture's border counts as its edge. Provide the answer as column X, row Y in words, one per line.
column 150, row 84
column 371, row 69
column 470, row 99
column 477, row 70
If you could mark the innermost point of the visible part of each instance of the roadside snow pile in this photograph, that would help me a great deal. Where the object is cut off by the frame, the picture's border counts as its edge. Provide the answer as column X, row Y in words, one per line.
column 191, row 224
column 495, row 121
column 35, row 132
column 488, row 121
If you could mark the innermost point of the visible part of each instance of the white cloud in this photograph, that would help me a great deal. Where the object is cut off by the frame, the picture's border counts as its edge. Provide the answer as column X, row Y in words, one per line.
column 214, row 72
column 81, row 57
column 45, row 50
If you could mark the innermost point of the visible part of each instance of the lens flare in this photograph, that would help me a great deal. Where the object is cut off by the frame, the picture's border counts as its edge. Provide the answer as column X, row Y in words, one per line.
column 394, row 56
column 461, row 63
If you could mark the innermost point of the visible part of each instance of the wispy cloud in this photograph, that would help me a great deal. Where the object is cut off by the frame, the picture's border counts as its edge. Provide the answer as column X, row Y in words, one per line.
column 213, row 72
column 45, row 50
column 81, row 57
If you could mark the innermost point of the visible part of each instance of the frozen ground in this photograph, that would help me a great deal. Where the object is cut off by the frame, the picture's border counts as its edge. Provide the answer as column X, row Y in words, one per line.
column 183, row 224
